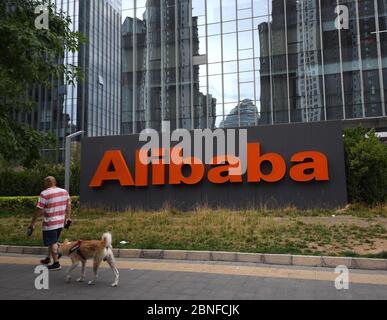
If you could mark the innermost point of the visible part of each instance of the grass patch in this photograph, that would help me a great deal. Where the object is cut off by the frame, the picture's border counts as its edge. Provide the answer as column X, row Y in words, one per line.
column 355, row 231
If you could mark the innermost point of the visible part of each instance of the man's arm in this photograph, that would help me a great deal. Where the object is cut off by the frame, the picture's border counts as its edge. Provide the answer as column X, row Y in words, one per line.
column 37, row 213
column 68, row 211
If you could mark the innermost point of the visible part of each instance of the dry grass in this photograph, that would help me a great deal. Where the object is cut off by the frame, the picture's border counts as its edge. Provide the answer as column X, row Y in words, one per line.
column 353, row 231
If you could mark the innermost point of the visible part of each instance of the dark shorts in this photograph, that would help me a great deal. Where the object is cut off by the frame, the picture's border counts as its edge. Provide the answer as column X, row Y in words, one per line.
column 51, row 237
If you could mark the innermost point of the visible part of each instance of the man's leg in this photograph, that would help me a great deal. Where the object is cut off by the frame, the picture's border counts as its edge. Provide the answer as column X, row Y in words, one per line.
column 54, row 252
column 47, row 260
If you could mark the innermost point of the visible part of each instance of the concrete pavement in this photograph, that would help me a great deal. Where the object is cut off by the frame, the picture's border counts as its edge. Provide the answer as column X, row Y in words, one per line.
column 177, row 280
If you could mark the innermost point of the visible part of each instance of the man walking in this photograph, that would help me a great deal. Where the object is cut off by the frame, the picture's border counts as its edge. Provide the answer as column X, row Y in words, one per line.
column 54, row 206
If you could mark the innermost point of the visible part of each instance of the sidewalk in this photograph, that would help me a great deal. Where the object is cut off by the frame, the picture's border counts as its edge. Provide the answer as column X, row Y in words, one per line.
column 179, row 280
column 206, row 256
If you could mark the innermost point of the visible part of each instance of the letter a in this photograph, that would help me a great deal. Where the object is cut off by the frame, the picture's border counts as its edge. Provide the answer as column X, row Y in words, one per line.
column 319, row 165
column 121, row 171
column 41, row 21
column 342, row 20
column 176, row 175
column 255, row 161
column 42, row 281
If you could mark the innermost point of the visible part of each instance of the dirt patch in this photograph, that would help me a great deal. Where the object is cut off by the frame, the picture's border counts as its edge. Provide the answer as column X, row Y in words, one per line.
column 331, row 221
column 344, row 220
column 378, row 246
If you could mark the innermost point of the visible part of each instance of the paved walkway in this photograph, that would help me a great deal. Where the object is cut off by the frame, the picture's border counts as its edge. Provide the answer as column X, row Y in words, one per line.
column 175, row 280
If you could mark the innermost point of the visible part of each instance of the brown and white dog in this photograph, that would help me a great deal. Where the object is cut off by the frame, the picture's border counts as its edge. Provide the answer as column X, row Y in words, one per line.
column 81, row 251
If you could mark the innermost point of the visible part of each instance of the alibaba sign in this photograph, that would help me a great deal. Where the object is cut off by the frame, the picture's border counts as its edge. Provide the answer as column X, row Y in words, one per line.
column 305, row 166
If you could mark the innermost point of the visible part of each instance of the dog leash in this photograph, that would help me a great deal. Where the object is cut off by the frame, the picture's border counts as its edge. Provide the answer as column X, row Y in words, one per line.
column 77, row 248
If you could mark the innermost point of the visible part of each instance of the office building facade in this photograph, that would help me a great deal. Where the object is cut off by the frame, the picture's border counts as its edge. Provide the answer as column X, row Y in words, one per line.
column 161, row 69
column 93, row 104
column 232, row 63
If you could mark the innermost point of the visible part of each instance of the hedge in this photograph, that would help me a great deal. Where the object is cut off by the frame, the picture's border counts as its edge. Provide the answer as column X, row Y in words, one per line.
column 26, row 204
column 29, row 182
column 366, row 165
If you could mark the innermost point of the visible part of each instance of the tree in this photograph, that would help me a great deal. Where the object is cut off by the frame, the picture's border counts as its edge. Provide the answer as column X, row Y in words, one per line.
column 366, row 162
column 30, row 57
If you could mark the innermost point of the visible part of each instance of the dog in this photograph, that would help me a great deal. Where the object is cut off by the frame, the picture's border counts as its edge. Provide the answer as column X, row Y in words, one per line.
column 81, row 251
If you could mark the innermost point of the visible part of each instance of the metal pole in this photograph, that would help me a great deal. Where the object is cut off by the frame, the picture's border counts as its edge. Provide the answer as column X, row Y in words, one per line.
column 68, row 158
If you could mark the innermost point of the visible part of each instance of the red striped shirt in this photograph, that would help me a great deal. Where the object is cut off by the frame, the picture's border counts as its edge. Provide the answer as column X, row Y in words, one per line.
column 53, row 202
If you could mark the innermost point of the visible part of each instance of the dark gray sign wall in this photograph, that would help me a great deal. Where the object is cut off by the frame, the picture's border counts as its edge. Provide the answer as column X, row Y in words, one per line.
column 285, row 140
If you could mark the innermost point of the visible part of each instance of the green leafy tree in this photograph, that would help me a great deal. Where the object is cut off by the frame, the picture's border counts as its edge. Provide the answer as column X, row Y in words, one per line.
column 30, row 57
column 366, row 162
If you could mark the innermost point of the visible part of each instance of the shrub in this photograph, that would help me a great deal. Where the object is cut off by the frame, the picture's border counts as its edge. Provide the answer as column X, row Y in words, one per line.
column 26, row 204
column 366, row 165
column 29, row 182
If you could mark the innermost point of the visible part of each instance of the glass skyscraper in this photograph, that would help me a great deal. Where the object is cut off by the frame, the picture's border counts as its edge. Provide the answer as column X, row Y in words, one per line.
column 94, row 103
column 101, row 24
column 232, row 63
column 162, row 66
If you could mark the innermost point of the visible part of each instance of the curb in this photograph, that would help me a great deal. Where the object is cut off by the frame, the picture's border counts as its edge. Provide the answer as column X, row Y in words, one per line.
column 206, row 256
